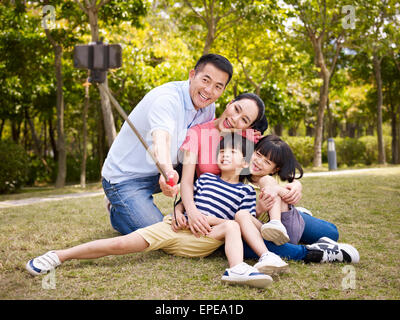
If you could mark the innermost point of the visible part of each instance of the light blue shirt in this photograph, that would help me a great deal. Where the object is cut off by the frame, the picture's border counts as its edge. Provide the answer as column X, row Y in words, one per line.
column 167, row 107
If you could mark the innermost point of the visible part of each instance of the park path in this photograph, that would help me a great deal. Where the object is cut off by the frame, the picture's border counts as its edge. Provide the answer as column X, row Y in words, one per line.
column 28, row 201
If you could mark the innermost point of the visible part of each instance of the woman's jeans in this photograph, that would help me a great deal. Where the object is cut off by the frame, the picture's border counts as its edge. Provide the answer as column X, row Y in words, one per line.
column 132, row 205
column 314, row 229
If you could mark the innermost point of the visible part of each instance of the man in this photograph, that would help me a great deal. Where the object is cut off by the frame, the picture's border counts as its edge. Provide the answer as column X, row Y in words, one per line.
column 130, row 177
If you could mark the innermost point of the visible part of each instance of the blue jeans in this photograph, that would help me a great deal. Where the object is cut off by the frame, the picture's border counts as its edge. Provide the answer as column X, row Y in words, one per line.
column 314, row 229
column 132, row 205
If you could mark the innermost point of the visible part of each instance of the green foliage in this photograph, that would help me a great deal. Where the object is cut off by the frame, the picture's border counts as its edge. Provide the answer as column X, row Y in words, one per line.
column 302, row 148
column 13, row 166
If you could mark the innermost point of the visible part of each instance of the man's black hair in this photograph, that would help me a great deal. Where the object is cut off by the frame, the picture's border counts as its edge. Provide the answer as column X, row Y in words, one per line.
column 217, row 61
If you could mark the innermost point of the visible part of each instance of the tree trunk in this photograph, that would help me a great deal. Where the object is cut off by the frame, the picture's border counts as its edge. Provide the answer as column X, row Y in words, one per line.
column 395, row 151
column 378, row 79
column 323, row 98
column 62, row 154
column 108, row 117
column 210, row 37
column 84, row 133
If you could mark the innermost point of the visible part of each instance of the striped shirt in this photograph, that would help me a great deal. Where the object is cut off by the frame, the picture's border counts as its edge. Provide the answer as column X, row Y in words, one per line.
column 216, row 197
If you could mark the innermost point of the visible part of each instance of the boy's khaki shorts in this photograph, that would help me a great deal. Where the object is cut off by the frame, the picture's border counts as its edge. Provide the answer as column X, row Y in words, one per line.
column 182, row 243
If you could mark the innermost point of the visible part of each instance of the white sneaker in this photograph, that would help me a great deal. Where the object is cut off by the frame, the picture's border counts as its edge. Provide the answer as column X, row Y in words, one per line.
column 243, row 274
column 275, row 231
column 43, row 264
column 270, row 263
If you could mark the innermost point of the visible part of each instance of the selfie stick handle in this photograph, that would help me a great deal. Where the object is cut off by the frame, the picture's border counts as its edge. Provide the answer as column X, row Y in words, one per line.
column 123, row 114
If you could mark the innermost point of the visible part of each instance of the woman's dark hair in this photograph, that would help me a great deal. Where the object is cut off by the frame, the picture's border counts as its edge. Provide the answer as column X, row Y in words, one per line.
column 261, row 123
column 217, row 61
column 279, row 152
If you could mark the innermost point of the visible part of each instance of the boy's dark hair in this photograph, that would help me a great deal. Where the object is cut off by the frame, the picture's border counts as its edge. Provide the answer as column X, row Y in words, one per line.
column 238, row 142
column 217, row 61
column 261, row 123
column 279, row 152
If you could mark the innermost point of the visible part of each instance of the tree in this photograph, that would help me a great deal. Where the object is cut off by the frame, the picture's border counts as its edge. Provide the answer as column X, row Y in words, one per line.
column 321, row 23
column 211, row 17
column 372, row 39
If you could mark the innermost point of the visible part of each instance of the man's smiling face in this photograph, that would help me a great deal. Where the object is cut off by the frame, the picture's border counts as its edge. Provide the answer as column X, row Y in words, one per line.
column 206, row 85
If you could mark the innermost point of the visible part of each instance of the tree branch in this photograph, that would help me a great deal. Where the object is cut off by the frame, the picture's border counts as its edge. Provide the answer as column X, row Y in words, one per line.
column 195, row 12
column 81, row 6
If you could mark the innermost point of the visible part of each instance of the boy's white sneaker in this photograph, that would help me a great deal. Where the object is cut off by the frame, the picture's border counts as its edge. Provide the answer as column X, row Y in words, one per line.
column 275, row 231
column 270, row 263
column 243, row 274
column 43, row 264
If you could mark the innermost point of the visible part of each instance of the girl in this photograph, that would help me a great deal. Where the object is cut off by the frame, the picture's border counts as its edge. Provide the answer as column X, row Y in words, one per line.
column 272, row 156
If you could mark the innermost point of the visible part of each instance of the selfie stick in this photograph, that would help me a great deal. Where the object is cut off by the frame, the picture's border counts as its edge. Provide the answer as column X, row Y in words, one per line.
column 121, row 111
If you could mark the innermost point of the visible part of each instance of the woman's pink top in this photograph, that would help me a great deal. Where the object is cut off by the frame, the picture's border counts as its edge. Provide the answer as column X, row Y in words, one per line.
column 203, row 140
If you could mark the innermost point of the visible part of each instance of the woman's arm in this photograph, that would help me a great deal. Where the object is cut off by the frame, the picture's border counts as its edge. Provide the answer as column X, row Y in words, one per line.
column 198, row 223
column 294, row 192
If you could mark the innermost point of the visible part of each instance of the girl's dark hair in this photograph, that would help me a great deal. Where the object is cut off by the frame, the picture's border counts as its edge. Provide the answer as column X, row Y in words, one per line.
column 261, row 123
column 279, row 152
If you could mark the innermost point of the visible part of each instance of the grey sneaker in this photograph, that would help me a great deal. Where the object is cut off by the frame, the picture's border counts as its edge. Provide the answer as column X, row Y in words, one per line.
column 328, row 250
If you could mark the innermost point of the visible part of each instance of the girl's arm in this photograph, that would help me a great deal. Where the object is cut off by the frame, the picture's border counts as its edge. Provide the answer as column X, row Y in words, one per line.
column 198, row 223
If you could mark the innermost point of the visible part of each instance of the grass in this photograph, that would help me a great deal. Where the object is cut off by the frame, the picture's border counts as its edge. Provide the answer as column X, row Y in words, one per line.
column 365, row 208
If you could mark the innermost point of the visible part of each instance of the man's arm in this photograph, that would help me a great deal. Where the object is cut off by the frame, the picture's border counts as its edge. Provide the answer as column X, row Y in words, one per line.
column 161, row 150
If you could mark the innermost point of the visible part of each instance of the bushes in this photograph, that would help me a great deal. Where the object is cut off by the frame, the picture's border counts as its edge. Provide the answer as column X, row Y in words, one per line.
column 349, row 151
column 303, row 149
column 14, row 166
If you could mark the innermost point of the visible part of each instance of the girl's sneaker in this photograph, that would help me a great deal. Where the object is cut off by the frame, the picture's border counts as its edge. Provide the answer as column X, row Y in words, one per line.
column 43, row 264
column 275, row 231
column 270, row 263
column 243, row 274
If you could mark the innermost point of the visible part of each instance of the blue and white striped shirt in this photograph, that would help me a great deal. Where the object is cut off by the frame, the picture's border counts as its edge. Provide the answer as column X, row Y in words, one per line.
column 216, row 197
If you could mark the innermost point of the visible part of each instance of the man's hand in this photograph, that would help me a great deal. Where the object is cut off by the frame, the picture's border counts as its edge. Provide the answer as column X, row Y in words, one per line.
column 181, row 221
column 167, row 189
column 294, row 195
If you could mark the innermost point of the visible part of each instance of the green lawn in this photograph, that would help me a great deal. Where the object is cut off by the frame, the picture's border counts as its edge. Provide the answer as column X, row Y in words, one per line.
column 365, row 207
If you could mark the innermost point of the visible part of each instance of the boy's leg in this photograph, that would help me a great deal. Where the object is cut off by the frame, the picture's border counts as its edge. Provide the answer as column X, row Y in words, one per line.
column 251, row 232
column 129, row 243
column 230, row 232
column 239, row 272
column 132, row 205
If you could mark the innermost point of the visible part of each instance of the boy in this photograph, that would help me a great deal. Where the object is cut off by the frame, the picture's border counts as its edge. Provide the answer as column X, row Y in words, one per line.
column 236, row 198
